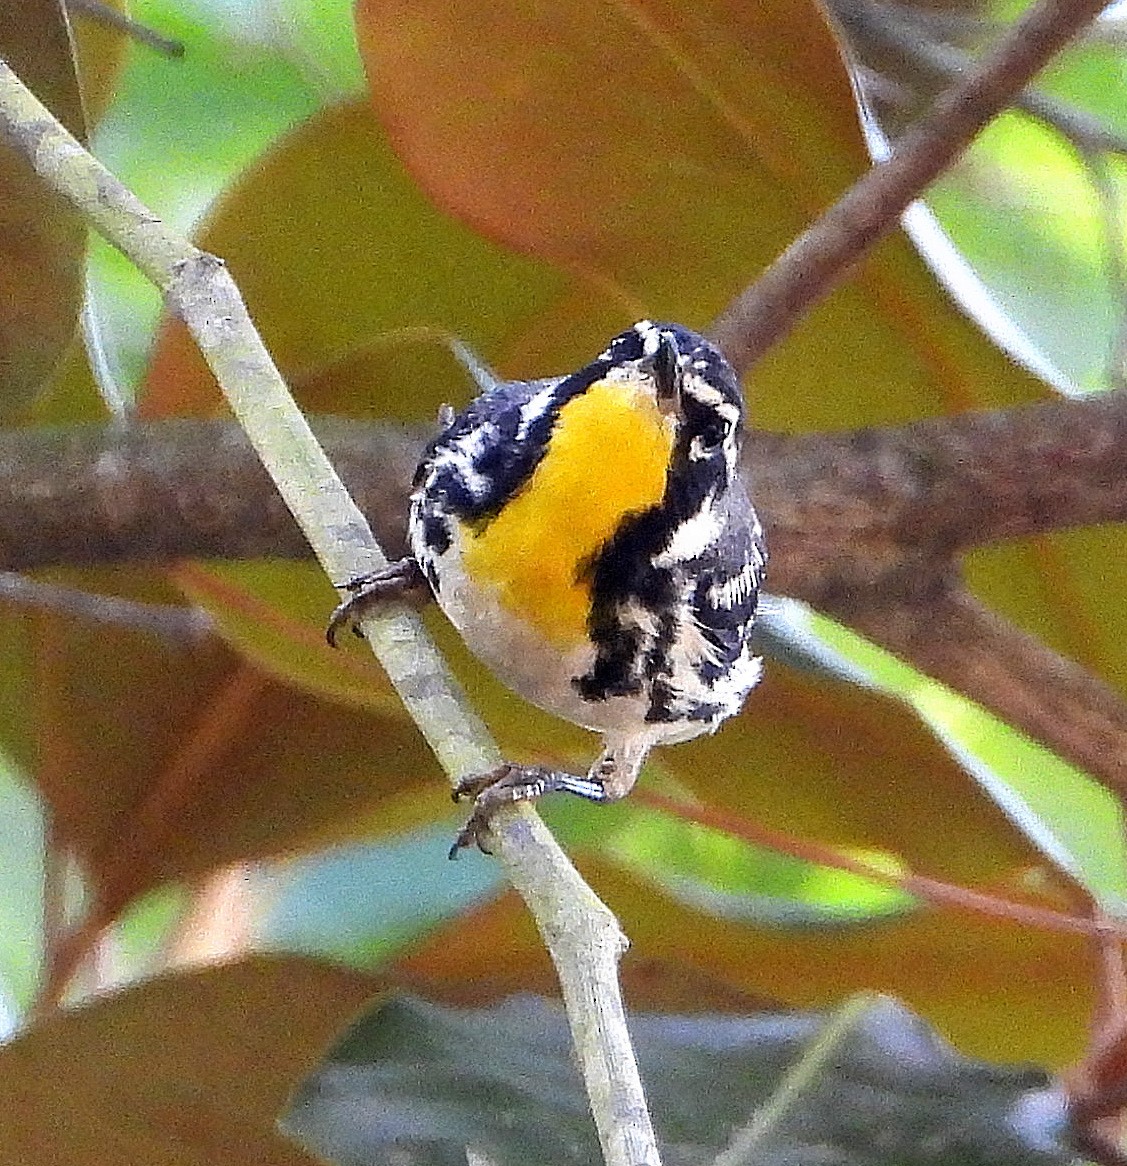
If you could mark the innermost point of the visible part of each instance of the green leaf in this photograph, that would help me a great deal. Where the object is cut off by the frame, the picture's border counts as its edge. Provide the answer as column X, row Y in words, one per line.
column 732, row 879
column 416, row 1083
column 22, row 848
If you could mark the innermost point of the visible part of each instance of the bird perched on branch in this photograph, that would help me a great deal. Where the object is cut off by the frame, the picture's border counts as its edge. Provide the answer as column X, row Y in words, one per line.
column 592, row 540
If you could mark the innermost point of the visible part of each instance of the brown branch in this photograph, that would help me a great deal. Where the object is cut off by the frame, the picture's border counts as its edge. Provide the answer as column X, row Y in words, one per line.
column 957, row 640
column 855, row 518
column 175, row 489
column 904, row 37
column 814, row 264
column 888, row 509
column 102, row 13
column 865, row 526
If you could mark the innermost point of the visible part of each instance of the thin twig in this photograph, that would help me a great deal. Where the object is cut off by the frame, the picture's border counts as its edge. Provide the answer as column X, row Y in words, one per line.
column 817, row 261
column 820, row 1056
column 583, row 937
column 56, row 867
column 907, row 32
column 932, row 891
column 1097, row 1092
column 106, row 14
column 175, row 624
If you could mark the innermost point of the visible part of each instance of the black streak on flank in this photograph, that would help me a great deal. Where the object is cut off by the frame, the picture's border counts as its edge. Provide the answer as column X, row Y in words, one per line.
column 622, row 573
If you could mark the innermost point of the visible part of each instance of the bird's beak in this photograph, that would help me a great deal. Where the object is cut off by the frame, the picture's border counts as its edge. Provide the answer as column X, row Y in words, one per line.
column 666, row 372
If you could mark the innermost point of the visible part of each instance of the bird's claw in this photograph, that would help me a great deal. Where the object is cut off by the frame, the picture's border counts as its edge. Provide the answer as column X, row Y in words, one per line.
column 505, row 786
column 491, row 791
column 393, row 581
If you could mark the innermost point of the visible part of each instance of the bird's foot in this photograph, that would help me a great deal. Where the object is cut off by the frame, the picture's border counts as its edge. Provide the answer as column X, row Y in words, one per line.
column 507, row 785
column 402, row 579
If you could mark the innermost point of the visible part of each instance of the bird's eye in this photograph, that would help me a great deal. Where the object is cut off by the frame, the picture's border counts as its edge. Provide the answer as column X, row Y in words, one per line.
column 712, row 434
column 707, row 440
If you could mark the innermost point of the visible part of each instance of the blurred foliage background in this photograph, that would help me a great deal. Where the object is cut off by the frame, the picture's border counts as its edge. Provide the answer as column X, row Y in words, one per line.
column 383, row 180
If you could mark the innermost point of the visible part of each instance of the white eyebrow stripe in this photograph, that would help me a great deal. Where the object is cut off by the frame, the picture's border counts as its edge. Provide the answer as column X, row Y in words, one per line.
column 700, row 390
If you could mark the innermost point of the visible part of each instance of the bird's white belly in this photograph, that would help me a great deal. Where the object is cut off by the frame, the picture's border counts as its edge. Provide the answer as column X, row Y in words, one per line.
column 529, row 664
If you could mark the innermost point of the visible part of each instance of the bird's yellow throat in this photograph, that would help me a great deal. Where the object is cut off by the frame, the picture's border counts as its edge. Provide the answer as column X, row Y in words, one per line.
column 607, row 458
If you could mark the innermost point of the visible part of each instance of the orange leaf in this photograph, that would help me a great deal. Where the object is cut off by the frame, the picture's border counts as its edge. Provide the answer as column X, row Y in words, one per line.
column 186, row 1068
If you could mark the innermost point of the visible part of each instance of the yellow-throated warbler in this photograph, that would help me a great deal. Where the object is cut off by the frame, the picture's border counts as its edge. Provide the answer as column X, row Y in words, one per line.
column 592, row 540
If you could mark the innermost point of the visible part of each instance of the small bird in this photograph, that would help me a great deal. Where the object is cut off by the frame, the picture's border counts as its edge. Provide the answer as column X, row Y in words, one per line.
column 592, row 540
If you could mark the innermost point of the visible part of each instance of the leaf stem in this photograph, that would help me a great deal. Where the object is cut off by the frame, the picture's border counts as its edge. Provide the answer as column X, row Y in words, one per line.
column 746, row 1145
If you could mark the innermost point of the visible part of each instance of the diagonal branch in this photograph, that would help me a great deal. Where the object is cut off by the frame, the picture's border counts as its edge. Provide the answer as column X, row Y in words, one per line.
column 903, row 37
column 957, row 640
column 819, row 259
